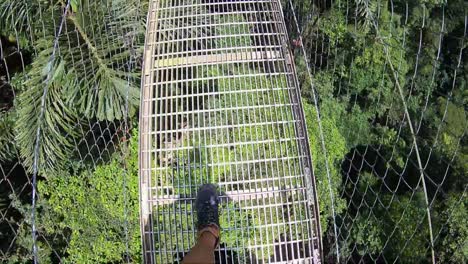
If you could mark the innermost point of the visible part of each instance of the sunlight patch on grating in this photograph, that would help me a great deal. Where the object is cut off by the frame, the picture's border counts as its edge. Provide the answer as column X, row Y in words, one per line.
column 220, row 104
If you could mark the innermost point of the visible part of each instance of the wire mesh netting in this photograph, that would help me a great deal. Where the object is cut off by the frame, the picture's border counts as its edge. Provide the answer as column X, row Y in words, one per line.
column 69, row 91
column 220, row 105
column 383, row 88
column 389, row 78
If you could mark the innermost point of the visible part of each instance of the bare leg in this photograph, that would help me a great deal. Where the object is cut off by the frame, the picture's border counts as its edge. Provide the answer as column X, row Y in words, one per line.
column 203, row 251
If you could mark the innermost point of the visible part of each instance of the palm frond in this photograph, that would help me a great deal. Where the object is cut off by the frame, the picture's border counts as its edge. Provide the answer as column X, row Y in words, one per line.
column 16, row 14
column 45, row 82
column 100, row 58
column 92, row 76
column 366, row 12
column 4, row 203
column 7, row 136
column 26, row 18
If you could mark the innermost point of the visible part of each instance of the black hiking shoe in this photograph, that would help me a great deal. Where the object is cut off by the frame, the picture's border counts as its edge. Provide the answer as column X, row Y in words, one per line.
column 207, row 212
column 207, row 207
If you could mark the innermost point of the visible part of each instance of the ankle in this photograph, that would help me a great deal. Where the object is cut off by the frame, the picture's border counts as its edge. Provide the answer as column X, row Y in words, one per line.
column 209, row 236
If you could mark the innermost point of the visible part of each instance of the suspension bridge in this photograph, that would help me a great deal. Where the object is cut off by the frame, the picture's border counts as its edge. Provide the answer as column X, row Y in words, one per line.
column 221, row 104
column 335, row 131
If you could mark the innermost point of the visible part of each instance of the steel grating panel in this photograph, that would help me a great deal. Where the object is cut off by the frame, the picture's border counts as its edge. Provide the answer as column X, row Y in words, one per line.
column 220, row 104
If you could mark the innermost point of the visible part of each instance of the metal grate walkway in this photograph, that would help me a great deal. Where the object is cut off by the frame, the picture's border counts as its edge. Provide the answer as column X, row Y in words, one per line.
column 220, row 104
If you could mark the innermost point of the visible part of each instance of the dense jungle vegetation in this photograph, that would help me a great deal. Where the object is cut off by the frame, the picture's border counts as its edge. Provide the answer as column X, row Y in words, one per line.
column 365, row 56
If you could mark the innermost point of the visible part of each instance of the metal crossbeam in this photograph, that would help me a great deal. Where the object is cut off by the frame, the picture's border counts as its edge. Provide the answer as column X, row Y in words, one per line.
column 236, row 57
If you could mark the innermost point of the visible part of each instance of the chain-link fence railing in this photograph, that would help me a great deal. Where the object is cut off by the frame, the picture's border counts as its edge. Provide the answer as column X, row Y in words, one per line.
column 389, row 81
column 69, row 91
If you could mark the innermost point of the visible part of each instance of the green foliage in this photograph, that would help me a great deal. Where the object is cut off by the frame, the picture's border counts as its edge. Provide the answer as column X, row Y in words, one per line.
column 454, row 245
column 42, row 108
column 373, row 82
column 18, row 20
column 361, row 109
column 21, row 250
column 368, row 235
column 401, row 220
column 7, row 136
column 335, row 145
column 233, row 216
column 93, row 206
column 455, row 124
column 367, row 13
column 86, row 215
column 108, row 54
column 81, row 74
column 406, row 216
column 333, row 24
column 233, row 42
